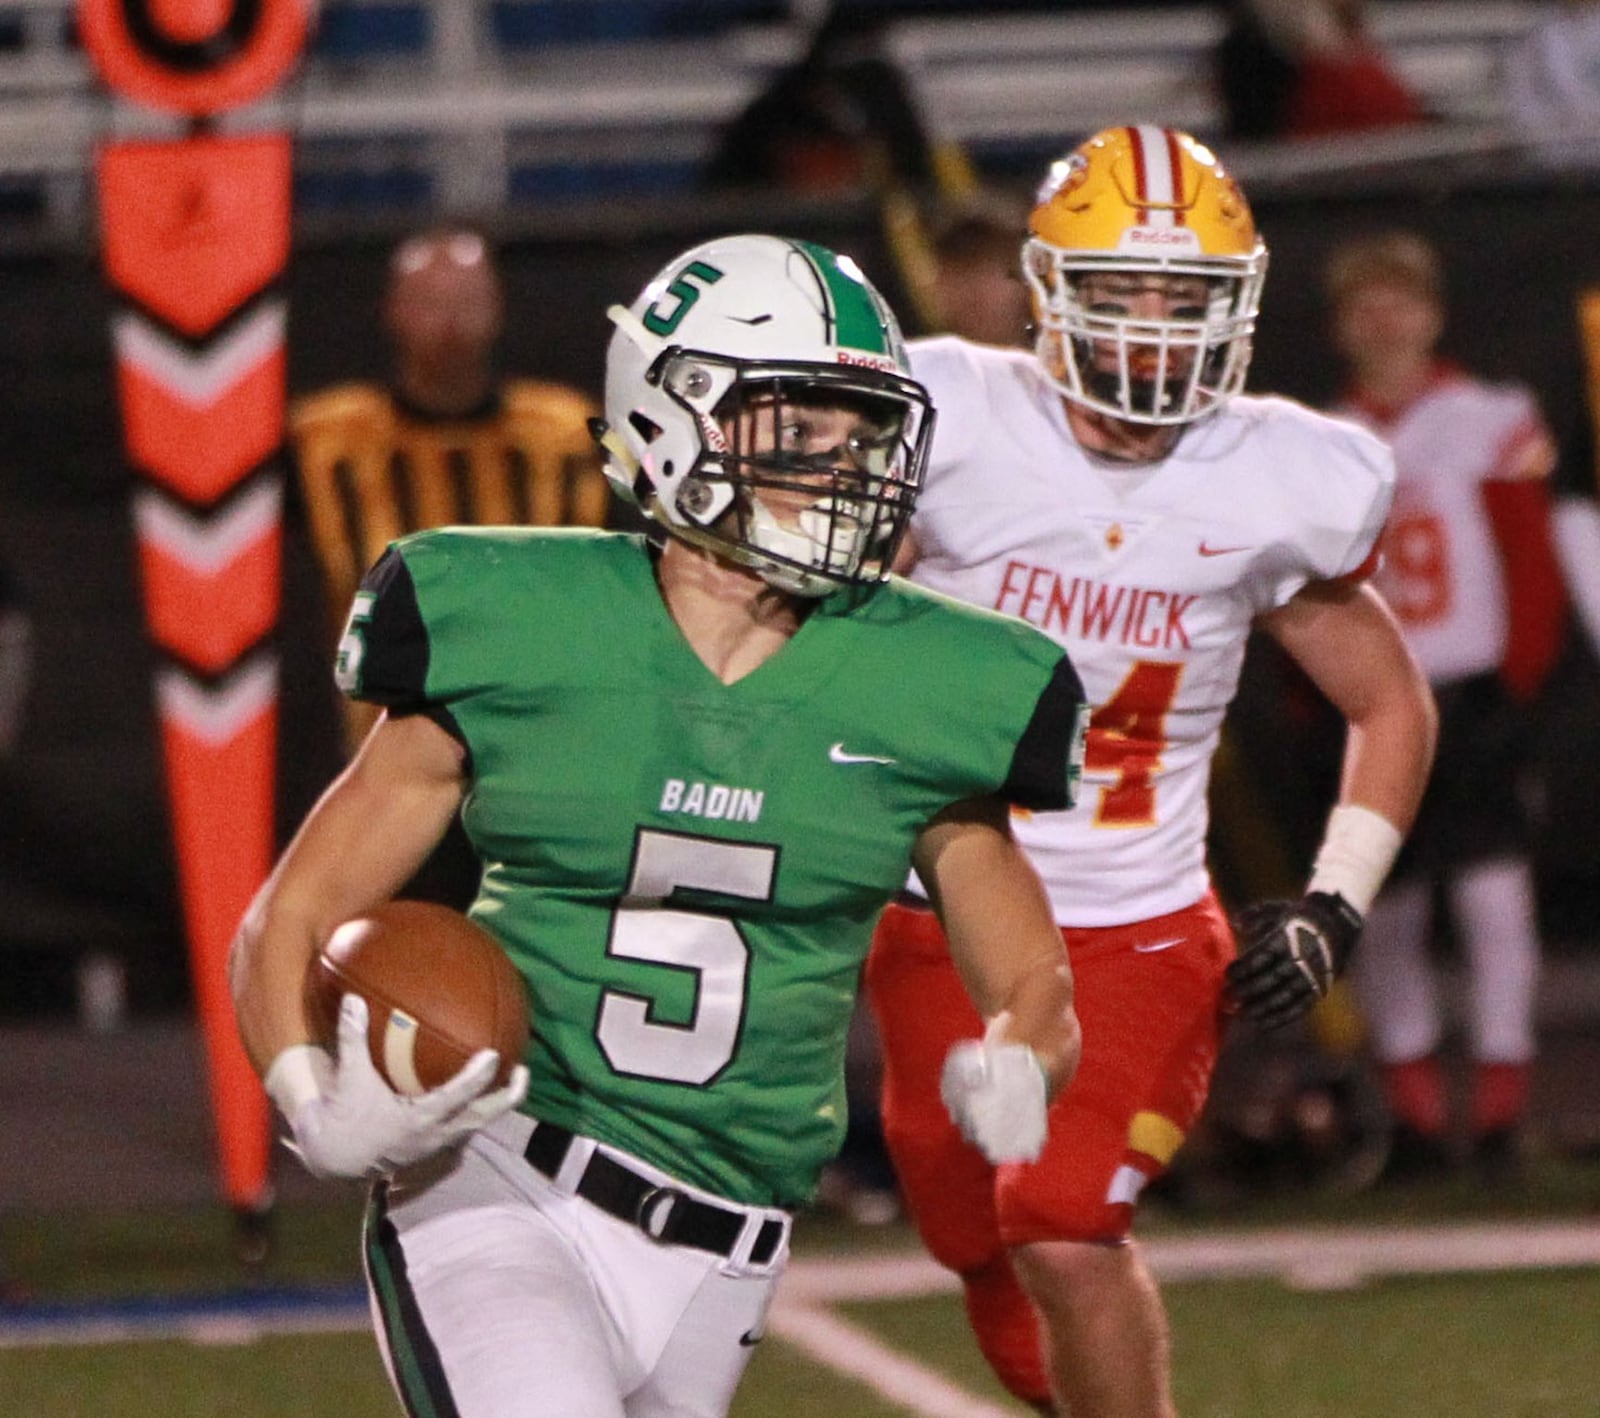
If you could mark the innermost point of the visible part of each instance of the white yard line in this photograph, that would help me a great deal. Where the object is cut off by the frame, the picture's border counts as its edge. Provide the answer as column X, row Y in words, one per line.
column 1297, row 1255
column 213, row 1328
column 1304, row 1257
column 848, row 1349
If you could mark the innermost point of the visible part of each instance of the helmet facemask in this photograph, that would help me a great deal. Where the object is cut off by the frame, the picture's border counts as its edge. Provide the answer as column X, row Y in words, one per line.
column 1157, row 371
column 759, row 404
column 806, row 474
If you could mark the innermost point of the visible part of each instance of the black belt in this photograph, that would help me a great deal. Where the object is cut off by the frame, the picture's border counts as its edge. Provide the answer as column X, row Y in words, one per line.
column 663, row 1213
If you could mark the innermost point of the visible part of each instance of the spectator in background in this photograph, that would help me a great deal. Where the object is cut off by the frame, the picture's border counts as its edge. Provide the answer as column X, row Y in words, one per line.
column 1470, row 571
column 1552, row 84
column 958, row 264
column 978, row 291
column 1575, row 519
column 1308, row 68
column 841, row 118
column 1255, row 70
column 448, row 440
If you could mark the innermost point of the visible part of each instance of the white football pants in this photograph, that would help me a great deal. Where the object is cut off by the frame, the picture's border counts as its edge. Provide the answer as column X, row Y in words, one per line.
column 497, row 1293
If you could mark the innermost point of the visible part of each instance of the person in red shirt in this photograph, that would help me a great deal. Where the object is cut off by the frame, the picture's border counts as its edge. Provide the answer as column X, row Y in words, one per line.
column 1471, row 572
column 1308, row 68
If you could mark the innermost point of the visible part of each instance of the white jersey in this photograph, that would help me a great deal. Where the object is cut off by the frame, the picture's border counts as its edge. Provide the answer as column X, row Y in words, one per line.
column 1150, row 576
column 1441, row 568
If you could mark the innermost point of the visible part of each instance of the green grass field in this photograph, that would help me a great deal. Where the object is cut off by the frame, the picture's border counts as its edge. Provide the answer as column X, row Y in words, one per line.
column 1519, row 1344
column 1514, row 1344
column 1480, row 1347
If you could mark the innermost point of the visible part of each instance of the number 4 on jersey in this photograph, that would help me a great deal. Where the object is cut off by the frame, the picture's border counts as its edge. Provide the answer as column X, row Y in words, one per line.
column 1127, row 736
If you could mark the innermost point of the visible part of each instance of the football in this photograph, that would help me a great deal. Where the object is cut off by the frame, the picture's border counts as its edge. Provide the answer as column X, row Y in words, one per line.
column 438, row 988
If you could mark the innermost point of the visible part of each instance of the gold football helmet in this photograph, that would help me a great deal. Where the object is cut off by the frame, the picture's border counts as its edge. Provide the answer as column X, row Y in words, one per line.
column 1127, row 206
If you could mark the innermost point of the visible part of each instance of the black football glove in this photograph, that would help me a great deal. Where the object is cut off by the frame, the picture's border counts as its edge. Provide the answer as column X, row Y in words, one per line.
column 1290, row 953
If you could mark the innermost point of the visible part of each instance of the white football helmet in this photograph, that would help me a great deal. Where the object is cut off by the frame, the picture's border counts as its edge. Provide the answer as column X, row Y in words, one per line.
column 1144, row 201
column 748, row 321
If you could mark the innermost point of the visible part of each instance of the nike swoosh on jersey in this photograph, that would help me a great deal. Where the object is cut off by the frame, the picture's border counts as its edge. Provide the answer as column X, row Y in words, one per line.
column 1149, row 947
column 1207, row 550
column 838, row 755
column 750, row 1337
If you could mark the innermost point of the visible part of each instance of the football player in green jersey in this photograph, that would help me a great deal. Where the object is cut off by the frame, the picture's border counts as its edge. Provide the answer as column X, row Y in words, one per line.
column 695, row 769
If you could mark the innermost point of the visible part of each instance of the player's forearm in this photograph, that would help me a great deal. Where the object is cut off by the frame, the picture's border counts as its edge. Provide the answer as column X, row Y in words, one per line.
column 1389, row 750
column 1387, row 758
column 1006, row 944
column 1011, row 957
column 360, row 844
column 1519, row 517
column 1041, row 1015
column 267, row 970
column 1348, row 641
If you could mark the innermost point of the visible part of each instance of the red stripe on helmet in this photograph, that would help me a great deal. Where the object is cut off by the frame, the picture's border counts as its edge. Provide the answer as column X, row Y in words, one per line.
column 1174, row 156
column 1141, row 178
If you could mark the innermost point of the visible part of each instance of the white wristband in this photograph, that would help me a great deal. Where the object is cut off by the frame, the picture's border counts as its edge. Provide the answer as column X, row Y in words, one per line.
column 299, row 1075
column 1357, row 851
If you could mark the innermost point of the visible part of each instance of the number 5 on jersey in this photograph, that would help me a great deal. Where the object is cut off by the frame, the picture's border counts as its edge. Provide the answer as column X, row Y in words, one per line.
column 710, row 947
column 353, row 644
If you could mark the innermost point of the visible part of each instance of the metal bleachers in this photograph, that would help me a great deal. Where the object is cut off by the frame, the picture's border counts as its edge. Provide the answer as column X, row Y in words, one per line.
column 479, row 106
column 1031, row 79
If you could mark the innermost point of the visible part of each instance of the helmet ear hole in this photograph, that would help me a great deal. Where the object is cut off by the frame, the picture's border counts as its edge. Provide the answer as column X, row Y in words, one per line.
column 647, row 429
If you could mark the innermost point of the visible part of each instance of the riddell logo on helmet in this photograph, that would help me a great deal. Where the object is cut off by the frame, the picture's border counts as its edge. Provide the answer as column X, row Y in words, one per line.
column 868, row 361
column 1165, row 238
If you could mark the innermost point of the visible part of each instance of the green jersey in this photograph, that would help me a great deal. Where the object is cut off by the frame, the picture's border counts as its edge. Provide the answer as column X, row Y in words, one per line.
column 686, row 872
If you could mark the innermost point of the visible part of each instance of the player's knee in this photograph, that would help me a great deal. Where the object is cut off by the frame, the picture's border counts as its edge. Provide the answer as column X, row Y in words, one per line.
column 1006, row 1326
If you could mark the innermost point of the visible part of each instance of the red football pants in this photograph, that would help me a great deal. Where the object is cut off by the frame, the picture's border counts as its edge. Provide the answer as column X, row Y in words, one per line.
column 1149, row 998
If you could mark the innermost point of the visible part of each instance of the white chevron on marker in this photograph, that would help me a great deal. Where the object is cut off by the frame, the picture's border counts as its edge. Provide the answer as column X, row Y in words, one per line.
column 200, row 377
column 216, row 713
column 206, row 543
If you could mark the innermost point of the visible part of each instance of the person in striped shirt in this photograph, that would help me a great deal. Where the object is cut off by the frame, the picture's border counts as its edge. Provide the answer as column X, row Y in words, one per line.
column 447, row 439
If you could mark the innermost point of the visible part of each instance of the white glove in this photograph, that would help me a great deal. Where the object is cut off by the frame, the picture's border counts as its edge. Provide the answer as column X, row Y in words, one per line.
column 995, row 1093
column 347, row 1122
